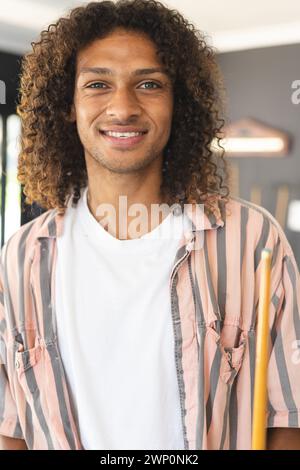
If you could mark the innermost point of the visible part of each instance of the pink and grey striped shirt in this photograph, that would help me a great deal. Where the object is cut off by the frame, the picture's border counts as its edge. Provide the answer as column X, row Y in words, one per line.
column 214, row 296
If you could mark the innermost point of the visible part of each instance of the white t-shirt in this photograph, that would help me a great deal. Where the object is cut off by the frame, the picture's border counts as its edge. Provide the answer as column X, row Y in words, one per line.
column 115, row 332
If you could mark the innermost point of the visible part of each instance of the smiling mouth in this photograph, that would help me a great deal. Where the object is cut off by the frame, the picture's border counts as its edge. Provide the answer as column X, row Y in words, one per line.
column 123, row 139
column 123, row 135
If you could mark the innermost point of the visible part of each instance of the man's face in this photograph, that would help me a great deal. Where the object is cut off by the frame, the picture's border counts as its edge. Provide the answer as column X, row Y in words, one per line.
column 123, row 98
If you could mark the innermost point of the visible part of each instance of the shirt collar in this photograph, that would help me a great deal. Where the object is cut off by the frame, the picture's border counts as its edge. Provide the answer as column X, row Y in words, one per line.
column 204, row 219
column 52, row 225
column 201, row 219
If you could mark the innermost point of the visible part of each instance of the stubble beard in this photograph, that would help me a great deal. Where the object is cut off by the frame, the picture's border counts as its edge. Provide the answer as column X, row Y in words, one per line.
column 116, row 165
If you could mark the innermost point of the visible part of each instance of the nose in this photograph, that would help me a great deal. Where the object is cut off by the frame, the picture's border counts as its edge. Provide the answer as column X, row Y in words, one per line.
column 123, row 105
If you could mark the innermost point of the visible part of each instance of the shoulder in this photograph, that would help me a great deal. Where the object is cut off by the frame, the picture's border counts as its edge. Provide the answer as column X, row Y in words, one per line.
column 256, row 222
column 20, row 245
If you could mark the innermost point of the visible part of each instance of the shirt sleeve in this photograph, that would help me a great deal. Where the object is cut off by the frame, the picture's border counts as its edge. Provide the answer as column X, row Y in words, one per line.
column 284, row 364
column 9, row 421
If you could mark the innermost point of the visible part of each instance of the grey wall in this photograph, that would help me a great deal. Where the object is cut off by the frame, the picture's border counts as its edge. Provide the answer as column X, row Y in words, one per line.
column 10, row 67
column 9, row 73
column 258, row 84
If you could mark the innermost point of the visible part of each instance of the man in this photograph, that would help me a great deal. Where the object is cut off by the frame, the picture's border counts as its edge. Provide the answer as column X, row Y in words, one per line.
column 119, row 337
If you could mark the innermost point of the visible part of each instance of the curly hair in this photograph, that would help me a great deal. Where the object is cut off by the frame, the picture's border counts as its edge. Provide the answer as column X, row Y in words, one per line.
column 51, row 163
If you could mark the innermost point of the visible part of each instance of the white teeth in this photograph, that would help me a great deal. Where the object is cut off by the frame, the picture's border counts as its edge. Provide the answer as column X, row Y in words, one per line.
column 123, row 134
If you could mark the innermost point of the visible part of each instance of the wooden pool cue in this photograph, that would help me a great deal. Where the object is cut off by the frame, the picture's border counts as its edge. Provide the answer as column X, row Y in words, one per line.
column 259, row 431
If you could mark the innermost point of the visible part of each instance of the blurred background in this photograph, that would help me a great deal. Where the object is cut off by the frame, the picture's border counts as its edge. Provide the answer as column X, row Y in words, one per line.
column 258, row 50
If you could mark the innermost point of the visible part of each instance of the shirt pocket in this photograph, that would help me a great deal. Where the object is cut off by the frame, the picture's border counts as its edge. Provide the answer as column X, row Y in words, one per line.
column 29, row 367
column 231, row 362
column 231, row 356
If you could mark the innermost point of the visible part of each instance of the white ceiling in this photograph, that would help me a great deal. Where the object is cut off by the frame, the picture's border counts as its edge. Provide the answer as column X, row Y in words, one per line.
column 229, row 24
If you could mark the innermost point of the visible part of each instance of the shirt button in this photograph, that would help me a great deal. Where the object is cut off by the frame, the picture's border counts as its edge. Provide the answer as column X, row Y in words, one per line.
column 17, row 364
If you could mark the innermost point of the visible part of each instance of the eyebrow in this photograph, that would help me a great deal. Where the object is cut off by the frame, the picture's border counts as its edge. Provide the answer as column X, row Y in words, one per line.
column 137, row 72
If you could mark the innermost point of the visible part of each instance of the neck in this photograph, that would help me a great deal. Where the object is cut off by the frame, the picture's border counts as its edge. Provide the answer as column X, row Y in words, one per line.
column 112, row 199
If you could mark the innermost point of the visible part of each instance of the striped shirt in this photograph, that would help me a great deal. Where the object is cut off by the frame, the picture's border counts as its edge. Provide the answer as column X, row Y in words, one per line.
column 214, row 296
